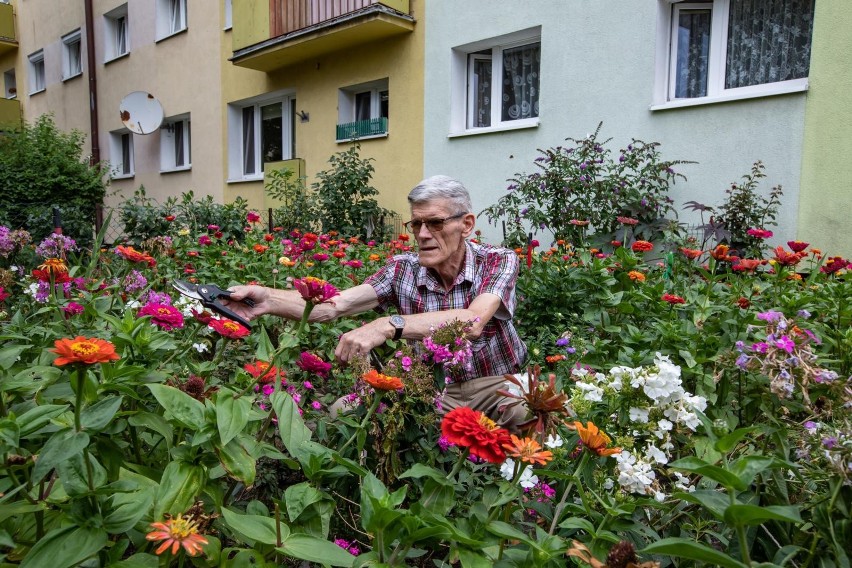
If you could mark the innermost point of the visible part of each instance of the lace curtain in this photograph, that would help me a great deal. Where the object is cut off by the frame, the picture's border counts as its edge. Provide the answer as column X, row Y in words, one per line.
column 521, row 69
column 693, row 51
column 768, row 41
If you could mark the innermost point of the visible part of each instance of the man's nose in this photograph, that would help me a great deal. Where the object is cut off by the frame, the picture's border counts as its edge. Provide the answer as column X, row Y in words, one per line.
column 423, row 229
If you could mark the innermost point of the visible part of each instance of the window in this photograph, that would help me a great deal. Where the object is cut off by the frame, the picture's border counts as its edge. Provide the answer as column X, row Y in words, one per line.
column 260, row 131
column 116, row 41
column 10, row 85
column 495, row 83
column 121, row 154
column 72, row 64
column 229, row 15
column 171, row 17
column 363, row 110
column 175, row 144
column 720, row 50
column 36, row 72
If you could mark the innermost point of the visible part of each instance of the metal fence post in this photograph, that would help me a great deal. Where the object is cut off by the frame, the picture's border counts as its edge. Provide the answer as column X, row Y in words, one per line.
column 57, row 221
column 271, row 224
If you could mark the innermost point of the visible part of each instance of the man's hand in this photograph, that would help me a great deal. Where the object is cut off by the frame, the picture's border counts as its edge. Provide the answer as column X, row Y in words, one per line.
column 261, row 296
column 360, row 341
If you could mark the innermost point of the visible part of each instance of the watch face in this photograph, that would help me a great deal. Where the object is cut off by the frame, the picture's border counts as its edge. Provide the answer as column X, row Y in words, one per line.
column 397, row 321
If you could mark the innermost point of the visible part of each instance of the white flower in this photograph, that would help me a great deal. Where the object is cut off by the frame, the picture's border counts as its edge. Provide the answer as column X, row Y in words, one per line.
column 660, row 496
column 200, row 347
column 608, row 484
column 186, row 304
column 665, row 425
column 639, row 415
column 514, row 389
column 591, row 392
column 634, row 475
column 656, row 454
column 507, row 470
column 682, row 482
column 31, row 290
column 553, row 441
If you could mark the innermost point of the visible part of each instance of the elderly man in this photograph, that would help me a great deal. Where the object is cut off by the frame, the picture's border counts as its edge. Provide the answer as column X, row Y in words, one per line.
column 449, row 278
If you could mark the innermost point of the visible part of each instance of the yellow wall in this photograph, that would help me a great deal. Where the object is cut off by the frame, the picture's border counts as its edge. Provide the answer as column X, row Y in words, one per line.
column 398, row 158
column 826, row 185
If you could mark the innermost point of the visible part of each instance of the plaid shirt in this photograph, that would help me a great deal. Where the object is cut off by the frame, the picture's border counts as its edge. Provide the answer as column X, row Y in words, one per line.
column 413, row 289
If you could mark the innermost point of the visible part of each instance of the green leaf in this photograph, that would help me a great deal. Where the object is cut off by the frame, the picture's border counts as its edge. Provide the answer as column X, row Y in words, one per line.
column 153, row 422
column 507, row 531
column 140, row 560
column 419, row 471
column 714, row 501
column 99, row 415
column 471, row 559
column 254, row 527
column 10, row 354
column 61, row 446
column 265, row 349
column 739, row 515
column 685, row 548
column 438, row 497
column 74, row 476
column 31, row 379
column 688, row 358
column 17, row 507
column 127, row 509
column 727, row 442
column 747, row 467
column 291, row 427
column 65, row 547
column 716, row 473
column 578, row 523
column 312, row 549
column 231, row 415
column 182, row 407
column 238, row 462
column 10, row 435
column 299, row 497
column 180, row 485
column 35, row 418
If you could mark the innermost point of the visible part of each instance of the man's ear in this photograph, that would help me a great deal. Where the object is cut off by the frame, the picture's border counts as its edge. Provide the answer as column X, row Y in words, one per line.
column 468, row 223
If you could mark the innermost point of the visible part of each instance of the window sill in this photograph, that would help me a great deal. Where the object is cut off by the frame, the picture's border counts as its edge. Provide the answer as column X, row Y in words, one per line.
column 124, row 176
column 66, row 79
column 374, row 136
column 491, row 129
column 37, row 92
column 764, row 91
column 245, row 179
column 171, row 35
column 175, row 170
column 117, row 57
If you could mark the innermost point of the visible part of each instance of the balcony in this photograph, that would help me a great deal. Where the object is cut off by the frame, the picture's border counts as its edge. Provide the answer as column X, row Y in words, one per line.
column 8, row 39
column 271, row 34
column 371, row 128
column 10, row 114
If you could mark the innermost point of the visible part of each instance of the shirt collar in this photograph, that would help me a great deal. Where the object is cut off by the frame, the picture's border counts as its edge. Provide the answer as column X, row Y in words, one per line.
column 426, row 277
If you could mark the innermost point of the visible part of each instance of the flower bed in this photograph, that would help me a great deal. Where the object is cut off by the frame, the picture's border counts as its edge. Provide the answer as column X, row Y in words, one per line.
column 696, row 408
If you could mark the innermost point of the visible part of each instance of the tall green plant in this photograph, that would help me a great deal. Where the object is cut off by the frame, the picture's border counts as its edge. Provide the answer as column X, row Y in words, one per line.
column 346, row 198
column 41, row 168
column 300, row 209
column 583, row 183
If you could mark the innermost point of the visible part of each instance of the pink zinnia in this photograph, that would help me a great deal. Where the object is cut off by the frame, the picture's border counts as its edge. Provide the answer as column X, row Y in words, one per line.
column 3, row 294
column 673, row 299
column 229, row 329
column 759, row 233
column 162, row 315
column 204, row 240
column 310, row 363
column 252, row 217
column 315, row 290
column 72, row 309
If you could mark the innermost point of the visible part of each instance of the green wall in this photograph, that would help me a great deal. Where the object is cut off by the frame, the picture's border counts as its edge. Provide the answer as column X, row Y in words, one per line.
column 826, row 185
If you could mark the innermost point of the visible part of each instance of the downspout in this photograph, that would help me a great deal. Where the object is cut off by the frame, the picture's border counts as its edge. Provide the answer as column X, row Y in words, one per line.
column 93, row 84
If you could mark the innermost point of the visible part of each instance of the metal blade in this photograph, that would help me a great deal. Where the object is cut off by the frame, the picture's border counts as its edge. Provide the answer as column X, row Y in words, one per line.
column 187, row 289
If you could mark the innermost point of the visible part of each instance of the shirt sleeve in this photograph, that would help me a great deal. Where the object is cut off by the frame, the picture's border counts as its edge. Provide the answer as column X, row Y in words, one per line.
column 383, row 283
column 498, row 275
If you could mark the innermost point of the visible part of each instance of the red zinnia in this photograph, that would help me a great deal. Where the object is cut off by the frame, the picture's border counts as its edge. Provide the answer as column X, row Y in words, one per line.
column 743, row 302
column 310, row 363
column 3, row 294
column 747, row 264
column 86, row 350
column 470, row 428
column 228, row 328
column 642, row 246
column 834, row 264
column 259, row 248
column 673, row 299
column 788, row 258
column 263, row 371
column 691, row 254
column 315, row 290
column 252, row 217
column 797, row 246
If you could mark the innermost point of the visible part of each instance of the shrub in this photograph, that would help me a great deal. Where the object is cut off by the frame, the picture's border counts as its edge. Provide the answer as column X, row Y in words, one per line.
column 585, row 183
column 300, row 209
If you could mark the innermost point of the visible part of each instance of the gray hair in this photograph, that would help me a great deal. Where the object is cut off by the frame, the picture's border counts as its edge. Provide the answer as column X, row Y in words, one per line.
column 441, row 187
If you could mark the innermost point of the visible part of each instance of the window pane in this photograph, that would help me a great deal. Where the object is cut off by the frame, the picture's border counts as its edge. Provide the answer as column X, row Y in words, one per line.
column 768, row 41
column 178, row 140
column 362, row 106
column 479, row 91
column 121, row 36
column 271, row 133
column 38, row 69
column 248, row 141
column 693, row 51
column 74, row 64
column 521, row 67
column 384, row 103
column 126, row 153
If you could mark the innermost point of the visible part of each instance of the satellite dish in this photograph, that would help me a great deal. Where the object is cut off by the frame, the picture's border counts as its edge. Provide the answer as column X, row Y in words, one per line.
column 141, row 112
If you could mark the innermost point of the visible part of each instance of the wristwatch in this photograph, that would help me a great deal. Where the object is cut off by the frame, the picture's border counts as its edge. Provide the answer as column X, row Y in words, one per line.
column 398, row 322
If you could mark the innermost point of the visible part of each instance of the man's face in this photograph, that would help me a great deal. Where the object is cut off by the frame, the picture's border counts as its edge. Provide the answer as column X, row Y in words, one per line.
column 437, row 247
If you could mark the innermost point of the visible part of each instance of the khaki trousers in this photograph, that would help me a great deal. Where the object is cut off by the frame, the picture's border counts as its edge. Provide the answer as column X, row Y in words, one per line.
column 481, row 394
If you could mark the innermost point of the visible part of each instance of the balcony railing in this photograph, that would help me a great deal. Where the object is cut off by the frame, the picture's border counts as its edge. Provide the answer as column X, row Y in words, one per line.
column 287, row 16
column 8, row 37
column 362, row 128
column 10, row 114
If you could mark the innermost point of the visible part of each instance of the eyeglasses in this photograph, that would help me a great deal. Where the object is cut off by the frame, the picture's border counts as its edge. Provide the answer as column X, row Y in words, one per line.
column 434, row 225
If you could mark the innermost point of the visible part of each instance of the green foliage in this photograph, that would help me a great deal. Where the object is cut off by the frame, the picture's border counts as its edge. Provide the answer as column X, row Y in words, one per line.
column 584, row 182
column 745, row 208
column 42, row 167
column 346, row 197
column 143, row 218
column 300, row 209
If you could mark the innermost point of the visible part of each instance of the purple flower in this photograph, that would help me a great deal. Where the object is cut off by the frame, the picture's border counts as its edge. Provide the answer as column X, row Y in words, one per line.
column 740, row 346
column 444, row 444
column 153, row 297
column 317, row 405
column 804, row 314
column 825, row 376
column 134, row 282
column 829, row 442
column 55, row 246
column 73, row 309
column 770, row 316
column 584, row 165
column 811, row 426
column 308, row 385
column 760, row 347
column 570, row 350
column 742, row 361
column 785, row 343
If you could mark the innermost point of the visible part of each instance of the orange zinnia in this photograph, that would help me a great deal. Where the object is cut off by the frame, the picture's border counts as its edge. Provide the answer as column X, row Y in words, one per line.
column 527, row 450
column 53, row 266
column 176, row 533
column 595, row 440
column 636, row 276
column 642, row 246
column 382, row 382
column 83, row 350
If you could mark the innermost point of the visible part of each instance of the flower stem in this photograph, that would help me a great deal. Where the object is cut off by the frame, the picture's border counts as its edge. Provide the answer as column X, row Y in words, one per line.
column 81, row 377
column 377, row 397
column 462, row 458
column 308, row 307
column 574, row 478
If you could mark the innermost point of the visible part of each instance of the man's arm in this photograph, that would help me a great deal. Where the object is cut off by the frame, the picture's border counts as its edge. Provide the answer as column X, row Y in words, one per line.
column 290, row 305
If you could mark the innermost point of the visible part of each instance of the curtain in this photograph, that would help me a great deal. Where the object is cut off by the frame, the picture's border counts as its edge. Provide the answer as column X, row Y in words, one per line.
column 179, row 159
column 768, row 41
column 693, row 50
column 248, row 141
column 521, row 69
column 481, row 115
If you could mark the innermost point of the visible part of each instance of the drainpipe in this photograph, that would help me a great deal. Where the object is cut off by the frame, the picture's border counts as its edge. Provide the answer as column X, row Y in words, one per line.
column 93, row 84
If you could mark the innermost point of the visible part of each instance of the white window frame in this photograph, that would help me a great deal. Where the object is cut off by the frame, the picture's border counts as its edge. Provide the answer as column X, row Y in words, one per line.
column 171, row 18
column 10, row 84
column 229, row 15
column 121, row 144
column 72, row 55
column 117, row 33
column 36, row 72
column 666, row 53
column 461, row 98
column 176, row 141
column 236, row 157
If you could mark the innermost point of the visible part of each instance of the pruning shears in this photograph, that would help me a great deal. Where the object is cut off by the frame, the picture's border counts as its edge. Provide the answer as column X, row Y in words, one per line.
column 209, row 295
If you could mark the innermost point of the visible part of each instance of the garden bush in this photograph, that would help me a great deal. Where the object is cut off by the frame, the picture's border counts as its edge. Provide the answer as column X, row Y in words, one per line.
column 691, row 413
